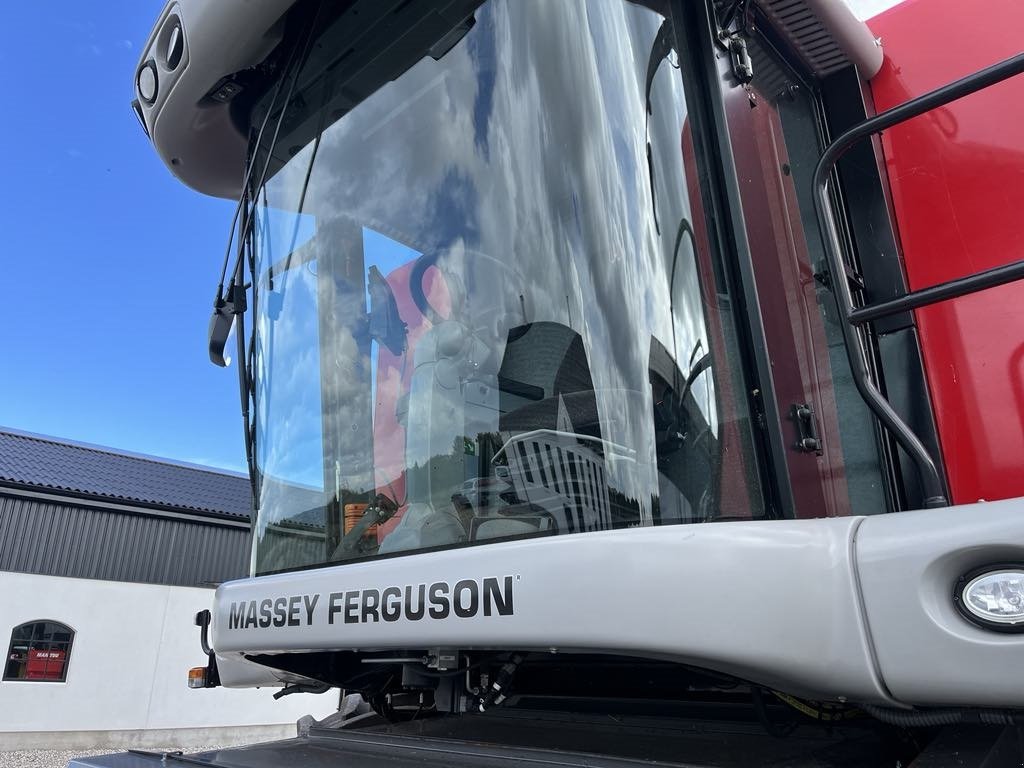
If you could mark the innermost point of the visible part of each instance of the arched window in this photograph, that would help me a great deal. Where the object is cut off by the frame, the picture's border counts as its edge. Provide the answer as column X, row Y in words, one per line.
column 39, row 652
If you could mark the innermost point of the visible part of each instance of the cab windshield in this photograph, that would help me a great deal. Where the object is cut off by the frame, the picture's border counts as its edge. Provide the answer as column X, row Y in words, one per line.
column 485, row 307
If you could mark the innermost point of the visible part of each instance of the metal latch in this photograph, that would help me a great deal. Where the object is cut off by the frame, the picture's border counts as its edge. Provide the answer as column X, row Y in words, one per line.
column 806, row 428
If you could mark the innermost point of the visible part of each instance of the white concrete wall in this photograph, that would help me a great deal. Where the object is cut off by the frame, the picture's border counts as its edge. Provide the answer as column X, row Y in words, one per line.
column 866, row 9
column 127, row 670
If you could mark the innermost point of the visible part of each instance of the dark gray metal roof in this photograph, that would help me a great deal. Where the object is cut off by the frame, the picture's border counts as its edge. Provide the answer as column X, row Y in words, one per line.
column 45, row 463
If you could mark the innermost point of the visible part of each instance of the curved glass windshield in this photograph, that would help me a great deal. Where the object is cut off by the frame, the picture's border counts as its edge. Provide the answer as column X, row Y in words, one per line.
column 485, row 306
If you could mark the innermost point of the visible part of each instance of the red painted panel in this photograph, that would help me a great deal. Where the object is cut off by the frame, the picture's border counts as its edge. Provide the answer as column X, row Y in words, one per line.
column 957, row 178
column 45, row 665
column 794, row 329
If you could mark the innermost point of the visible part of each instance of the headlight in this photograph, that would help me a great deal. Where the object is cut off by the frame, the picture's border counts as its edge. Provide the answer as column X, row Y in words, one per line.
column 146, row 82
column 993, row 597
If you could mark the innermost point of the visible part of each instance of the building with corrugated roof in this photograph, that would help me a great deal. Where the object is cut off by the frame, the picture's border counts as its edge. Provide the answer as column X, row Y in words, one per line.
column 105, row 558
column 84, row 511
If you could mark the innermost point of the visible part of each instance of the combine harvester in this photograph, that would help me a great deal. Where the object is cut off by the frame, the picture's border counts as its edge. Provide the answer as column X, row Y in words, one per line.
column 621, row 381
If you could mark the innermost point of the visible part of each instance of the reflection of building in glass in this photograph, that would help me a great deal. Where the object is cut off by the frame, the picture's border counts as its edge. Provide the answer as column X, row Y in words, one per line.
column 553, row 433
column 483, row 353
column 553, row 459
column 563, row 475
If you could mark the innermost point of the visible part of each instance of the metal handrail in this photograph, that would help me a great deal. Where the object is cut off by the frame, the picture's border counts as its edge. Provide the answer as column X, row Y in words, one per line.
column 933, row 294
column 931, row 481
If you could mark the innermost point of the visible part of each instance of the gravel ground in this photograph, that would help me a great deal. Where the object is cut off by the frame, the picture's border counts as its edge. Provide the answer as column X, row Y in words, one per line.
column 58, row 758
column 44, row 758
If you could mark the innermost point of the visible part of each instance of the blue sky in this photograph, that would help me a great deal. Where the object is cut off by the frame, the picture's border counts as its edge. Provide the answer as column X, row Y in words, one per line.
column 108, row 263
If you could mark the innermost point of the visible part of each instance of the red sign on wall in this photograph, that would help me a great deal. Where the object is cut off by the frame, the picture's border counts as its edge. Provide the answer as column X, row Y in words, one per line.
column 45, row 665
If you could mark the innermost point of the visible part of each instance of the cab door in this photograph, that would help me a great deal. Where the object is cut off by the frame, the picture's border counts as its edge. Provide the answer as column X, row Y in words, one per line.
column 832, row 447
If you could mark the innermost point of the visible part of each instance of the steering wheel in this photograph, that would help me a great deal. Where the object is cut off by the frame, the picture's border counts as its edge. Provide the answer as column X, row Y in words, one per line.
column 419, row 297
column 493, row 315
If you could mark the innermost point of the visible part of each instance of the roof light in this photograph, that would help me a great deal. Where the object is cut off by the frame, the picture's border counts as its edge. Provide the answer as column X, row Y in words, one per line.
column 993, row 597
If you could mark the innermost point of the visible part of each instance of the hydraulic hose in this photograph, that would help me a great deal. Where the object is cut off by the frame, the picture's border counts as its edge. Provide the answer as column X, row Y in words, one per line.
column 302, row 688
column 934, row 717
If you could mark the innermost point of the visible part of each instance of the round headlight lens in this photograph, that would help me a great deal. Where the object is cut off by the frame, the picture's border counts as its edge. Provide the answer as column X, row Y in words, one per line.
column 995, row 597
column 147, row 82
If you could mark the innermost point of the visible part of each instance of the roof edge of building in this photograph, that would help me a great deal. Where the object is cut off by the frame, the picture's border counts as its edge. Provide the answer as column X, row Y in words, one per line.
column 120, row 453
column 121, row 503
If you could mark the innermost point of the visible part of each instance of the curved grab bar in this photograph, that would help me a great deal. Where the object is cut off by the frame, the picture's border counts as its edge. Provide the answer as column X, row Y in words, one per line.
column 931, row 481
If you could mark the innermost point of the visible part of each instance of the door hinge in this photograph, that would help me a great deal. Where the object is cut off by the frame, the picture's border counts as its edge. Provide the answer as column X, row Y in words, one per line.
column 739, row 57
column 806, row 428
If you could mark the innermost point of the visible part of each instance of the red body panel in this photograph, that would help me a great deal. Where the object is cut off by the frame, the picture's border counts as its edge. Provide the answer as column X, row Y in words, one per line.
column 957, row 180
column 794, row 331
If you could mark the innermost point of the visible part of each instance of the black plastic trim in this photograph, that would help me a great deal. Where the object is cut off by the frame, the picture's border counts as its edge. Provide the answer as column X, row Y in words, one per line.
column 892, row 344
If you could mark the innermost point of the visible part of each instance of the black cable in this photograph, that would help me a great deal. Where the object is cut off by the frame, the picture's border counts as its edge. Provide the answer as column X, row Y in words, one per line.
column 291, row 73
column 250, row 383
column 302, row 688
column 498, row 689
column 929, row 718
column 730, row 14
column 248, row 171
column 744, row 18
column 244, row 242
column 284, row 107
column 453, row 672
column 328, row 94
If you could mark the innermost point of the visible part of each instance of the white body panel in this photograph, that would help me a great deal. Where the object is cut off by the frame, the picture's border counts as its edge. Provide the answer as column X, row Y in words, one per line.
column 774, row 602
column 909, row 564
column 856, row 609
column 194, row 136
